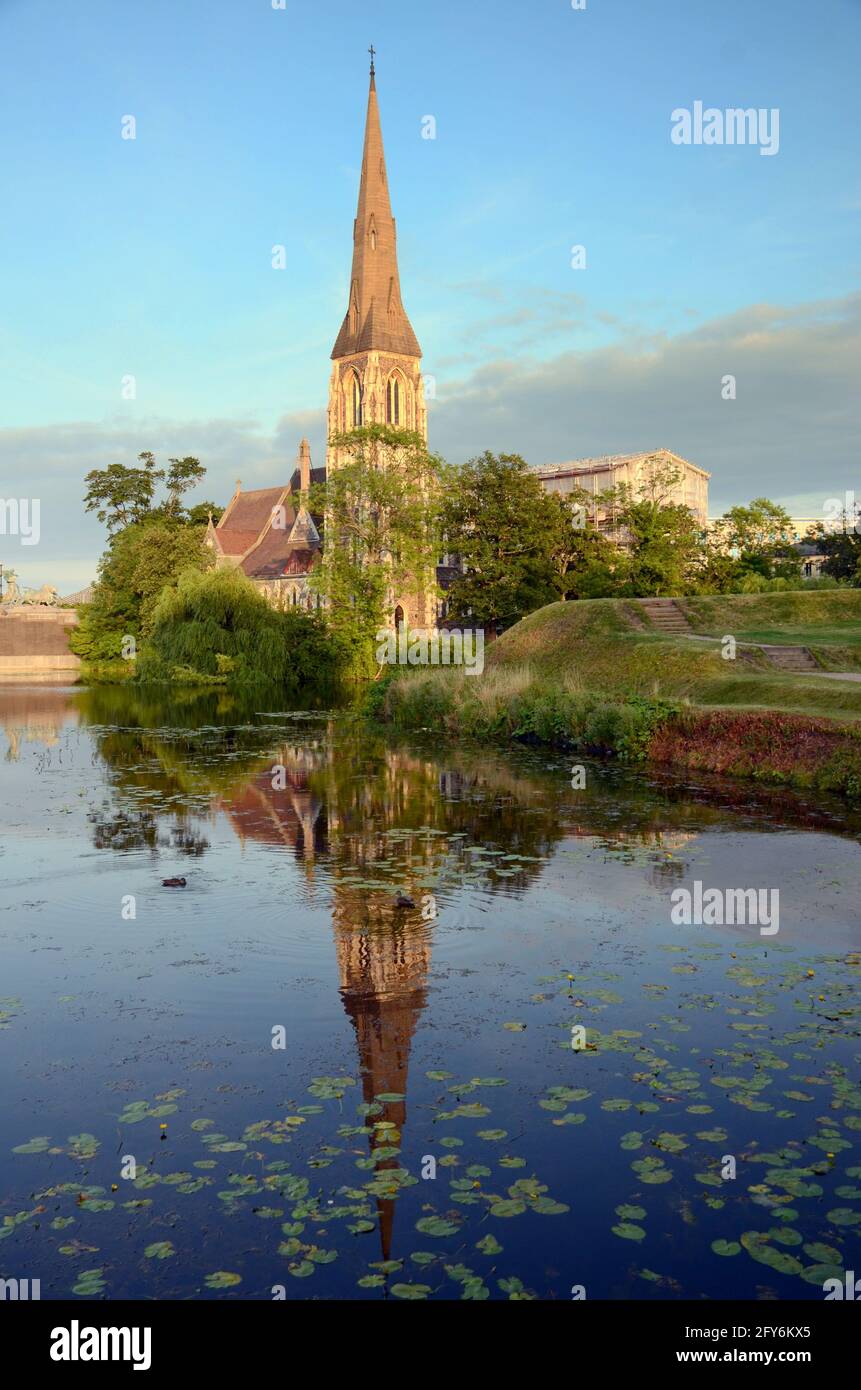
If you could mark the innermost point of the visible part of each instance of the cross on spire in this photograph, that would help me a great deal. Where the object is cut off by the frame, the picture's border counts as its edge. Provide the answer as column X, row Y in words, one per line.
column 373, row 53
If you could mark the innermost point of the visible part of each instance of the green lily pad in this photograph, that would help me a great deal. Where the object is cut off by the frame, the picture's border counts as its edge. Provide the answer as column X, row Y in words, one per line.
column 160, row 1250
column 222, row 1279
column 437, row 1226
column 627, row 1230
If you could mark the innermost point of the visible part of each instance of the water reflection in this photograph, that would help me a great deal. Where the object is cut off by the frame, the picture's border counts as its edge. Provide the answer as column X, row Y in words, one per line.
column 372, row 835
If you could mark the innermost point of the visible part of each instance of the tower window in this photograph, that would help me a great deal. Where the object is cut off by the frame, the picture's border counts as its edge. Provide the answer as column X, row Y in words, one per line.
column 393, row 401
column 356, row 403
column 373, row 238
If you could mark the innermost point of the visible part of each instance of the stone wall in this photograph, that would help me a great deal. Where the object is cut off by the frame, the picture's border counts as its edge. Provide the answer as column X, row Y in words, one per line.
column 35, row 641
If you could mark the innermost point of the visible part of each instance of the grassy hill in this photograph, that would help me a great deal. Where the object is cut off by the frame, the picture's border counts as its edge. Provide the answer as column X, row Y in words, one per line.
column 608, row 646
column 597, row 675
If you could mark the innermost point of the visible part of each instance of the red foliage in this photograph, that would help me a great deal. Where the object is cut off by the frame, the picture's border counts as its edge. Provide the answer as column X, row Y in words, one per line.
column 759, row 743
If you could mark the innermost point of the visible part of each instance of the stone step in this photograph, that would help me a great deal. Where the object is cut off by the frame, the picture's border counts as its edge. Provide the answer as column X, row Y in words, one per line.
column 665, row 616
column 791, row 658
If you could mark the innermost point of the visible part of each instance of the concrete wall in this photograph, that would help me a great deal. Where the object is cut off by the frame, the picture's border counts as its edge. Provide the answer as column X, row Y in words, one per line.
column 35, row 641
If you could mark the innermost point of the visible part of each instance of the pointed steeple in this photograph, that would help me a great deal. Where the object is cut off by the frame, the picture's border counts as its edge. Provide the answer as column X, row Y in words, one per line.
column 376, row 318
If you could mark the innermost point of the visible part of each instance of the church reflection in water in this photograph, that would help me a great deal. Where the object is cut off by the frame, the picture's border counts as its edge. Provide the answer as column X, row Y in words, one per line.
column 383, row 950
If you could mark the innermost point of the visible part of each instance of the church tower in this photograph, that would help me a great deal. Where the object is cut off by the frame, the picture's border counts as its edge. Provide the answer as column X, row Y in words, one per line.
column 376, row 373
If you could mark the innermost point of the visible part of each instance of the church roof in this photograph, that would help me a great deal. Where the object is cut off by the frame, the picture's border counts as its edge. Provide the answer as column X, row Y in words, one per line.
column 376, row 318
column 245, row 517
column 291, row 549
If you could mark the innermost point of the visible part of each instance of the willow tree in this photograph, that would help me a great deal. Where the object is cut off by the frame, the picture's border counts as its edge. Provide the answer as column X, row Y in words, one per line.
column 382, row 534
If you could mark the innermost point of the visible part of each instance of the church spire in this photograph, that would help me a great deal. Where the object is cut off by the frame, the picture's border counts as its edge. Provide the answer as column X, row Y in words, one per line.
column 376, row 319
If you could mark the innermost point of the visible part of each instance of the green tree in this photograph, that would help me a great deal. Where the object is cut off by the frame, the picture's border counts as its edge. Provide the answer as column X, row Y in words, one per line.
column 182, row 474
column 842, row 548
column 199, row 514
column 139, row 562
column 587, row 564
column 663, row 538
column 121, row 496
column 217, row 626
column 506, row 530
column 761, row 535
column 382, row 530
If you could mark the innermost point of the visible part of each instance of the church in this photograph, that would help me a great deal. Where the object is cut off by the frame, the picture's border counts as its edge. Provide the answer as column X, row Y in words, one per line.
column 376, row 378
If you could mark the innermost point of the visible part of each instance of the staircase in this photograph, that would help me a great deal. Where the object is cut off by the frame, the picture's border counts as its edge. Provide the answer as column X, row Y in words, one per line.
column 791, row 658
column 666, row 616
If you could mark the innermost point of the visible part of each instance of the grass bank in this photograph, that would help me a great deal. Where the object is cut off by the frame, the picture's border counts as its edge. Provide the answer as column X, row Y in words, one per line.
column 593, row 676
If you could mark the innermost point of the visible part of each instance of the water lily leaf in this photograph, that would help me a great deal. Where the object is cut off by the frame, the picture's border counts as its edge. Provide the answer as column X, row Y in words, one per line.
column 34, row 1146
column 627, row 1230
column 844, row 1216
column 83, row 1146
column 785, row 1235
column 757, row 1246
column 726, row 1247
column 817, row 1274
column 436, row 1226
column 90, row 1283
column 508, row 1208
column 159, row 1250
column 823, row 1254
column 671, row 1143
column 222, row 1279
column 410, row 1291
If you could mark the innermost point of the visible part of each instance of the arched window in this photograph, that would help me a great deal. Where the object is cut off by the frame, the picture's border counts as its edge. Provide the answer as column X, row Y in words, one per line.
column 356, row 402
column 393, row 401
column 399, row 618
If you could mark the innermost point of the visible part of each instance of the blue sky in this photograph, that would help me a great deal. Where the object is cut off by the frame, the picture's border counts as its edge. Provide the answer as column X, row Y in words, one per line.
column 152, row 257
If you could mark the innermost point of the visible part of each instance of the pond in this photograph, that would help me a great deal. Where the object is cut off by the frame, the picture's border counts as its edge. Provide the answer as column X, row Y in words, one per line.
column 420, row 1024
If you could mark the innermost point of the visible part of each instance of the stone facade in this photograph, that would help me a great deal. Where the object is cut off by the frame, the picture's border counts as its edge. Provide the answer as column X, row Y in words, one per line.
column 35, row 642
column 597, row 475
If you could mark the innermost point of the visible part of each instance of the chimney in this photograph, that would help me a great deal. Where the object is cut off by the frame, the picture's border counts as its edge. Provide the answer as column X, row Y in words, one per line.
column 304, row 466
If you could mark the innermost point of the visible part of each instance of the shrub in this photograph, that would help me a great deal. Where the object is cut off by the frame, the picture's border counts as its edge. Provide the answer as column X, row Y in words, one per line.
column 216, row 628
